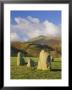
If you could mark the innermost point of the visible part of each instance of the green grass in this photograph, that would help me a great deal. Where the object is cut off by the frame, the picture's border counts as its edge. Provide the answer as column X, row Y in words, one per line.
column 22, row 72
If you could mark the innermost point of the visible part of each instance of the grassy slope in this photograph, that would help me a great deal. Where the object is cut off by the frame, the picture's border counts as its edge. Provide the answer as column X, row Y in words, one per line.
column 33, row 50
column 22, row 72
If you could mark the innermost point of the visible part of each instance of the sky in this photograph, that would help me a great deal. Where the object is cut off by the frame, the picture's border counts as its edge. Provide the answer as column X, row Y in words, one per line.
column 26, row 25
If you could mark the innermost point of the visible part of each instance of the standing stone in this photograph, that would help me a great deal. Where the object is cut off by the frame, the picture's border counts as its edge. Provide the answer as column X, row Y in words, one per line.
column 20, row 59
column 29, row 63
column 42, row 63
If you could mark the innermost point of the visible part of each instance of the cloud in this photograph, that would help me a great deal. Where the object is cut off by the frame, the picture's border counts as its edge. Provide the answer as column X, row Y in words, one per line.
column 14, row 37
column 30, row 27
column 51, row 29
column 34, row 20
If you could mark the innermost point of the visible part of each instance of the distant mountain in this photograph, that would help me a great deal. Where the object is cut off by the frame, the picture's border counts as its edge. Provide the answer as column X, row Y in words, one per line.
column 53, row 42
column 50, row 41
column 45, row 38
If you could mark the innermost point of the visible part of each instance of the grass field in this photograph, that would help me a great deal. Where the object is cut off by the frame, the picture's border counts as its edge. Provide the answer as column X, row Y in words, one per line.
column 22, row 72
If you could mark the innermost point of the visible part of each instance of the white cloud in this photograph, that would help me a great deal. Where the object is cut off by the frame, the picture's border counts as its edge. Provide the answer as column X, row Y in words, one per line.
column 14, row 37
column 51, row 29
column 29, row 27
column 34, row 20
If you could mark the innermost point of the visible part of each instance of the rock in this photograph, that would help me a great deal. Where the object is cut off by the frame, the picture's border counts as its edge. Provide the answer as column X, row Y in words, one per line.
column 43, row 63
column 30, row 62
column 20, row 59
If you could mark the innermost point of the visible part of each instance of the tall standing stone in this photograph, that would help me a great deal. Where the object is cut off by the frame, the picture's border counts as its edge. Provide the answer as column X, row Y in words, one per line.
column 20, row 59
column 43, row 63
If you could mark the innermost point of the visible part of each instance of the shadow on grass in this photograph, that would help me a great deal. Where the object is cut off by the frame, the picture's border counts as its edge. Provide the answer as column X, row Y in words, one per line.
column 56, row 61
column 55, row 69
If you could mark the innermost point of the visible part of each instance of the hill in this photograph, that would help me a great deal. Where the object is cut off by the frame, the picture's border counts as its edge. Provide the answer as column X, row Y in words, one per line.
column 33, row 50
